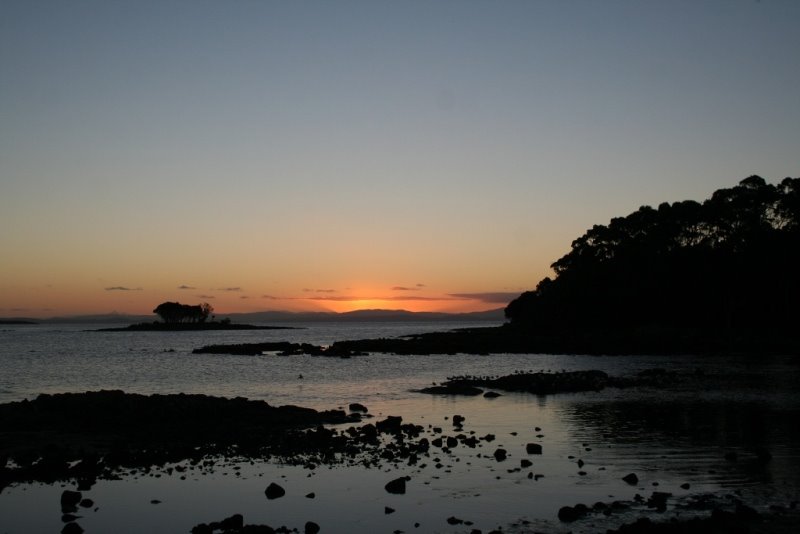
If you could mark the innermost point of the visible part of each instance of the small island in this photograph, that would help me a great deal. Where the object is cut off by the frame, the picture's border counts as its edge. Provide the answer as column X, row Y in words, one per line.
column 177, row 317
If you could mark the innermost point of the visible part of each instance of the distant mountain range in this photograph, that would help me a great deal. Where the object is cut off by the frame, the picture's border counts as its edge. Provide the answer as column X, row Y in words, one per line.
column 495, row 315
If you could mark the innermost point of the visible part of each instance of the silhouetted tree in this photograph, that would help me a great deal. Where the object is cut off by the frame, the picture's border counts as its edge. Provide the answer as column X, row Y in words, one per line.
column 728, row 263
column 175, row 312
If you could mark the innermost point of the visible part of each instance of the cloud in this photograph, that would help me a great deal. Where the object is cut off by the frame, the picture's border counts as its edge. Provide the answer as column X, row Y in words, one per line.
column 229, row 289
column 186, row 287
column 244, row 297
column 306, row 290
column 206, row 296
column 123, row 288
column 497, row 297
column 403, row 288
column 420, row 285
column 270, row 297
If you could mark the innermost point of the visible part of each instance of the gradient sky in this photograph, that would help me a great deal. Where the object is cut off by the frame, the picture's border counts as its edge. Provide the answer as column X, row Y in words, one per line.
column 340, row 155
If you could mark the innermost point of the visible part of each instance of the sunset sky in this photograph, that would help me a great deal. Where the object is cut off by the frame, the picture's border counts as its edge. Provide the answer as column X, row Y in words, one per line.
column 263, row 155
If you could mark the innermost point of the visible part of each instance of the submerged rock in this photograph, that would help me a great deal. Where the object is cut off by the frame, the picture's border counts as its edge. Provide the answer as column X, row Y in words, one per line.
column 631, row 479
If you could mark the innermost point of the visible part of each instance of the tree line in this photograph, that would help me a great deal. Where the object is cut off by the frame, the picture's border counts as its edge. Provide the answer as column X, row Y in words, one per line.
column 730, row 262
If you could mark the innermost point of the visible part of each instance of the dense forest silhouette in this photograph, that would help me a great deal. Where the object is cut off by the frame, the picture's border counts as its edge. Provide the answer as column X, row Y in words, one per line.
column 728, row 264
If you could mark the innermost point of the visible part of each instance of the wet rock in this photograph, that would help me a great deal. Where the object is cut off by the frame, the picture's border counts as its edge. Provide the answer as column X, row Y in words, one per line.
column 274, row 491
column 72, row 528
column 658, row 500
column 525, row 463
column 70, row 500
column 451, row 442
column 311, row 528
column 234, row 522
column 397, row 486
column 391, row 424
column 388, row 510
column 68, row 518
column 533, row 448
column 311, row 495
column 500, row 454
column 568, row 514
column 86, row 503
column 631, row 479
column 491, row 395
column 686, row 486
column 458, row 420
column 452, row 520
column 358, row 407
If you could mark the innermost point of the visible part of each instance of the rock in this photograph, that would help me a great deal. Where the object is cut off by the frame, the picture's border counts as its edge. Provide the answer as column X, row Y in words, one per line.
column 155, row 501
column 533, row 448
column 454, row 520
column 631, row 479
column 658, row 500
column 310, row 495
column 458, row 420
column 357, row 407
column 72, row 528
column 500, row 455
column 685, row 485
column 311, row 528
column 568, row 514
column 387, row 510
column 525, row 463
column 234, row 523
column 68, row 518
column 274, row 491
column 397, row 486
column 491, row 395
column 391, row 424
column 69, row 501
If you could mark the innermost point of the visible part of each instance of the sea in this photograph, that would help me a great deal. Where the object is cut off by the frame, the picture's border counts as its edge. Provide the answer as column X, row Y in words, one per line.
column 685, row 440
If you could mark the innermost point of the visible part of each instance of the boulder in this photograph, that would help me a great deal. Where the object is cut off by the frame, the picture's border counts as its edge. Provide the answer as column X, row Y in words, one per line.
column 397, row 486
column 274, row 491
column 72, row 528
column 533, row 448
column 631, row 479
column 357, row 407
column 500, row 454
column 311, row 528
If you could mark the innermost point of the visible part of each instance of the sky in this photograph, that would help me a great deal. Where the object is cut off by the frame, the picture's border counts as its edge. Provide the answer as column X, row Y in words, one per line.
column 300, row 155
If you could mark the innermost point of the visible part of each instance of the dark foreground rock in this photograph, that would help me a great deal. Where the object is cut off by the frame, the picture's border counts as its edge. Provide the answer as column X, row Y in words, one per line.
column 84, row 436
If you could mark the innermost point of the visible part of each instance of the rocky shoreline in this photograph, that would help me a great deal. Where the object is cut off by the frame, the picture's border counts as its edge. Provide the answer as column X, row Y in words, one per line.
column 78, row 439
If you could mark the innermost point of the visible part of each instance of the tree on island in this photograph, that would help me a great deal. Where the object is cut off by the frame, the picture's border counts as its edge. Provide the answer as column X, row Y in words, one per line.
column 175, row 312
column 730, row 263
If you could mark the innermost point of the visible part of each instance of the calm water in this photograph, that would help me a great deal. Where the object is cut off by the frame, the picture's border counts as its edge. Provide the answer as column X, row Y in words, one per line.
column 666, row 437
